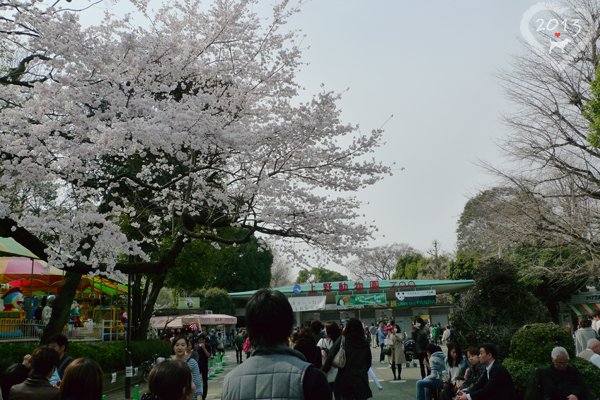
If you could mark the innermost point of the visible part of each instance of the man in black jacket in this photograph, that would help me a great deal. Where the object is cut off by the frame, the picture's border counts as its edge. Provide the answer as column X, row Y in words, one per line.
column 559, row 381
column 495, row 384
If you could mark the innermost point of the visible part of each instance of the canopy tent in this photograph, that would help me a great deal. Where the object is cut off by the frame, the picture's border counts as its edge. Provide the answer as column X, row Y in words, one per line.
column 9, row 247
column 181, row 321
column 161, row 322
column 585, row 309
column 20, row 268
column 217, row 319
column 37, row 277
column 98, row 284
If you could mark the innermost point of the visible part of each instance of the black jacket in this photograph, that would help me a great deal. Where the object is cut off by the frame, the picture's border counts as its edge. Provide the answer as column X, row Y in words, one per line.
column 499, row 385
column 352, row 380
column 552, row 384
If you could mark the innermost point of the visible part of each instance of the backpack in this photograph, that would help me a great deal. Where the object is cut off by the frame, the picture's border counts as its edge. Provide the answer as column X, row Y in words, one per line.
column 247, row 346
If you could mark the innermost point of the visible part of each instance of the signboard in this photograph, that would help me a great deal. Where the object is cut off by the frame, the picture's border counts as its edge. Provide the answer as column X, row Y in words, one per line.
column 188, row 303
column 587, row 297
column 310, row 303
column 415, row 298
column 359, row 300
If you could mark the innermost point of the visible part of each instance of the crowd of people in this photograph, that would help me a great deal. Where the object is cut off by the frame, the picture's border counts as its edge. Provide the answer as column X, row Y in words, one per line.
column 48, row 373
column 319, row 361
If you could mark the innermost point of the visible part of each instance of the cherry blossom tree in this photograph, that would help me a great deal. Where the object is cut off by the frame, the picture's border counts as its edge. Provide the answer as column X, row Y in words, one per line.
column 132, row 139
column 379, row 262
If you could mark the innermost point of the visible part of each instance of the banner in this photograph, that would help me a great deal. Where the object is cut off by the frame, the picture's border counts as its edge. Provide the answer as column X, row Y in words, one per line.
column 311, row 303
column 415, row 298
column 355, row 300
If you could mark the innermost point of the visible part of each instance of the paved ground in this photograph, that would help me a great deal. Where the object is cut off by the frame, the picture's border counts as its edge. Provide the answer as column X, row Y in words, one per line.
column 404, row 389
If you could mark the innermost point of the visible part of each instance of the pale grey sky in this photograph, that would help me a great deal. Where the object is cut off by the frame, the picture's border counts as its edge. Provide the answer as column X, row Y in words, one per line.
column 433, row 65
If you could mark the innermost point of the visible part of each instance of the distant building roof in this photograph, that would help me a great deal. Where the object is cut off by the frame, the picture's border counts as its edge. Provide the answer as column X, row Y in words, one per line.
column 366, row 286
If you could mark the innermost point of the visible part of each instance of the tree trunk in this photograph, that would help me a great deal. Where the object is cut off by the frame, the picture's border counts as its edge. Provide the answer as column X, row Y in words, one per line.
column 62, row 306
column 553, row 309
column 147, row 304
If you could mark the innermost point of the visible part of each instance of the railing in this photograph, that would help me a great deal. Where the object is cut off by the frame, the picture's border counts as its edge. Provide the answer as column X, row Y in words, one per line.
column 30, row 330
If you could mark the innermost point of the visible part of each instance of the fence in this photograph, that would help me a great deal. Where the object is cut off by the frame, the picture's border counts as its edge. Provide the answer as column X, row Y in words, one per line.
column 29, row 330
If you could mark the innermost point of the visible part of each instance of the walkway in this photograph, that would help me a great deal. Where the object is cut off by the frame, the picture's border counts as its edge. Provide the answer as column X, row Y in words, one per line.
column 404, row 389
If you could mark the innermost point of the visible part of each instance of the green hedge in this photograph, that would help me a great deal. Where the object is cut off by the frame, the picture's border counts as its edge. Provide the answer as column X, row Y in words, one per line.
column 110, row 355
column 530, row 348
column 533, row 343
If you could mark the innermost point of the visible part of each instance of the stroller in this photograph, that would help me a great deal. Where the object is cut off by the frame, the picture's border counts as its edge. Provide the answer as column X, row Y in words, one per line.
column 409, row 352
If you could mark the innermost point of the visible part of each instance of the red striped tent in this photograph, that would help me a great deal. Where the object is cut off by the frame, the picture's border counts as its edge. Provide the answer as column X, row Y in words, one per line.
column 585, row 309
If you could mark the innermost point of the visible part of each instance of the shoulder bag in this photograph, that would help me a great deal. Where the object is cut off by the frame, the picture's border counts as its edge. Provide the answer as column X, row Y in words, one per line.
column 339, row 361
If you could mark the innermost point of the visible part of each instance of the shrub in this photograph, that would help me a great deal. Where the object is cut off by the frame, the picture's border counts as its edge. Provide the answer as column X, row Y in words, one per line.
column 533, row 343
column 110, row 355
column 591, row 375
column 496, row 307
column 530, row 348
column 520, row 371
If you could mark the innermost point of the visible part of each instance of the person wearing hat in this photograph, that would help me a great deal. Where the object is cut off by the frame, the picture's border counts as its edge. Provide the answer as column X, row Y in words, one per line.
column 47, row 310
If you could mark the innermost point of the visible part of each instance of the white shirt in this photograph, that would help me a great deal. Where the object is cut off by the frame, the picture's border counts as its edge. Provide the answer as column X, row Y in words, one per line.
column 596, row 325
column 595, row 359
column 487, row 371
column 327, row 343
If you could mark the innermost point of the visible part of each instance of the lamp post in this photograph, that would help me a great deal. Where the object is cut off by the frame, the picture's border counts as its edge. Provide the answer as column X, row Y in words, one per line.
column 128, row 360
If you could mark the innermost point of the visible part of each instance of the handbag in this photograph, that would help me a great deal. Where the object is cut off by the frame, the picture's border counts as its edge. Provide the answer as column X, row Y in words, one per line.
column 339, row 361
column 387, row 350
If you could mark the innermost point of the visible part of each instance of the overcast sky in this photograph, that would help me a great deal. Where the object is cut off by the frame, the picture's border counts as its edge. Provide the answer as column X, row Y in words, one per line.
column 433, row 65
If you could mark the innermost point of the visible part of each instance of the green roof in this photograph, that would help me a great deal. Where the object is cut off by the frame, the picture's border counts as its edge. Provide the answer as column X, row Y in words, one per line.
column 366, row 286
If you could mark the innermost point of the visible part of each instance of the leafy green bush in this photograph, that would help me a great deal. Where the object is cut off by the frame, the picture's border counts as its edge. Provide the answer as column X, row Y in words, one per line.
column 533, row 343
column 530, row 348
column 520, row 371
column 110, row 355
column 496, row 307
column 591, row 375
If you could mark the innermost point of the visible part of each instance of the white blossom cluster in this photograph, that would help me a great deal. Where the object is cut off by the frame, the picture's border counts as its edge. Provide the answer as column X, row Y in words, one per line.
column 110, row 133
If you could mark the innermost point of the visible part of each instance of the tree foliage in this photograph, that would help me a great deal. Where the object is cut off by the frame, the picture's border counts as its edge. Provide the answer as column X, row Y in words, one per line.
column 552, row 271
column 409, row 265
column 172, row 130
column 281, row 272
column 235, row 269
column 379, row 262
column 218, row 301
column 555, row 166
column 496, row 307
column 317, row 274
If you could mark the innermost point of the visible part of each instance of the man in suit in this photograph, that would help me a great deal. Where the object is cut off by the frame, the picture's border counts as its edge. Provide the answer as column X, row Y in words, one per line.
column 496, row 383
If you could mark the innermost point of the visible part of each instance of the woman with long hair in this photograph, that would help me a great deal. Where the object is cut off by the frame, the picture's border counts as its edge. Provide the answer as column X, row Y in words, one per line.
column 333, row 332
column 83, row 380
column 352, row 381
column 307, row 345
column 180, row 346
column 456, row 364
column 170, row 380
